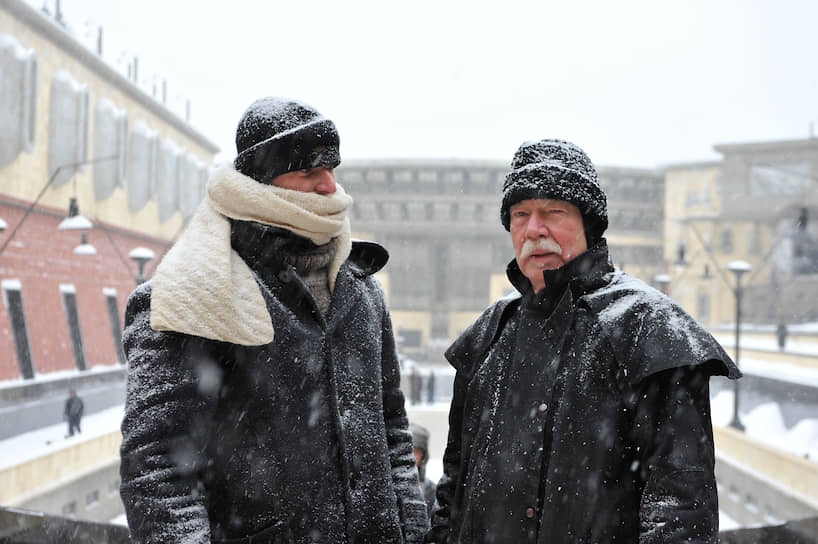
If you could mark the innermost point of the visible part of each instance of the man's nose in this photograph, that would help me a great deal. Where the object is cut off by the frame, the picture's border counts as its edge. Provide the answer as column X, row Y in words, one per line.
column 325, row 184
column 536, row 227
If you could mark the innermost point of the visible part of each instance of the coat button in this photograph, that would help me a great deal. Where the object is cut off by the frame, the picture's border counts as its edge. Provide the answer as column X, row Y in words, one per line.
column 550, row 334
column 285, row 275
column 542, row 407
column 529, row 513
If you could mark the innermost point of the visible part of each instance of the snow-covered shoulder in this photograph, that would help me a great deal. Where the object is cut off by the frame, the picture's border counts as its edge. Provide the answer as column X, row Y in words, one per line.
column 650, row 332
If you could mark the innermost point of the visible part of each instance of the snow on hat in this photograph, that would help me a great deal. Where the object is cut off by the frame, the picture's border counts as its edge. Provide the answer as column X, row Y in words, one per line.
column 560, row 170
column 279, row 135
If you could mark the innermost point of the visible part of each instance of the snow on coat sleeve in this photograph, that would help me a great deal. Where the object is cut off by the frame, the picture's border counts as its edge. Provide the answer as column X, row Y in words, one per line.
column 673, row 431
column 411, row 504
column 167, row 412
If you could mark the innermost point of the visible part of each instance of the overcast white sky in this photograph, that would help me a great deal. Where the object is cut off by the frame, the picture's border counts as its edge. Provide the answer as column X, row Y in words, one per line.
column 636, row 83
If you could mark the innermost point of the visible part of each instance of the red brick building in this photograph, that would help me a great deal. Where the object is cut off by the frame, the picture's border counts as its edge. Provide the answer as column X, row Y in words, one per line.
column 72, row 127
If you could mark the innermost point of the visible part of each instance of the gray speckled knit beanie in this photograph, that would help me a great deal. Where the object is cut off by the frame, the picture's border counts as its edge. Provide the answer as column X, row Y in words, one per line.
column 560, row 170
column 279, row 135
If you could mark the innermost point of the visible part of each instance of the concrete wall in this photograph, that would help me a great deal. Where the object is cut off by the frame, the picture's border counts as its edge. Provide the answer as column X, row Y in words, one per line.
column 760, row 484
column 91, row 495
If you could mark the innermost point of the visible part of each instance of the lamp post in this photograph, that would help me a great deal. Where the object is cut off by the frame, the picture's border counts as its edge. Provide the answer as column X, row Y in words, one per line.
column 141, row 256
column 738, row 268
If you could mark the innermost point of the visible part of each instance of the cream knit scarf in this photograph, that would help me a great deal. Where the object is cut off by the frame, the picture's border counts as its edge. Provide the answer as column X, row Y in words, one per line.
column 202, row 287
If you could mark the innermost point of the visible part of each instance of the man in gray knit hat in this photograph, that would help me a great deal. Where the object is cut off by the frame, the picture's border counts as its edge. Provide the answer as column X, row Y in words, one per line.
column 264, row 400
column 581, row 409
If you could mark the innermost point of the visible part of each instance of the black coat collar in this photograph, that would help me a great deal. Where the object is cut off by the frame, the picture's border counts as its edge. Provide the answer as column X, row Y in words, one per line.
column 582, row 274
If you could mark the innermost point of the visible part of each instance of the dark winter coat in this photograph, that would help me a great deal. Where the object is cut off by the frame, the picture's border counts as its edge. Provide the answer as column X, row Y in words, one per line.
column 581, row 415
column 74, row 408
column 302, row 440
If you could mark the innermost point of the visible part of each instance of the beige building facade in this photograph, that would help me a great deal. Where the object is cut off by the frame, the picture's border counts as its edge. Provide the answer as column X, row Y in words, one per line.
column 757, row 205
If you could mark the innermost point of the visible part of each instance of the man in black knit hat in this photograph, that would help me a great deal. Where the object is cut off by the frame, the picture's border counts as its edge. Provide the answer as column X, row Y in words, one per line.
column 581, row 409
column 263, row 396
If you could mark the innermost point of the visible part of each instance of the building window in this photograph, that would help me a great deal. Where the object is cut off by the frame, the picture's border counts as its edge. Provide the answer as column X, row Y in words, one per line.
column 754, row 244
column 68, row 128
column 113, row 487
column 92, row 498
column 111, row 143
column 168, row 172
column 13, row 299
column 69, row 509
column 427, row 176
column 409, row 338
column 726, row 240
column 141, row 169
column 18, row 108
column 789, row 178
column 113, row 319
column 403, row 176
column 703, row 307
column 69, row 301
column 192, row 182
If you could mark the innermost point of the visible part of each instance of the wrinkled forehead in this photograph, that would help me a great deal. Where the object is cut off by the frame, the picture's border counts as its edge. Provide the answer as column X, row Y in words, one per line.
column 535, row 203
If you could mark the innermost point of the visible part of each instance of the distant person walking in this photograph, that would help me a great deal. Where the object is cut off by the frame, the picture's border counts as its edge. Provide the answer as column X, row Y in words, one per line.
column 73, row 412
column 430, row 387
column 781, row 333
column 415, row 386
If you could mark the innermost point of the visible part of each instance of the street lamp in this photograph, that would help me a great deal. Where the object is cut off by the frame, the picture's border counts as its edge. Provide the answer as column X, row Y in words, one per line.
column 141, row 256
column 74, row 221
column 738, row 268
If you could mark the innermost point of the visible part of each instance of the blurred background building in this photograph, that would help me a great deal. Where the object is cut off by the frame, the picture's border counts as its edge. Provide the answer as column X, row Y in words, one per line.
column 440, row 222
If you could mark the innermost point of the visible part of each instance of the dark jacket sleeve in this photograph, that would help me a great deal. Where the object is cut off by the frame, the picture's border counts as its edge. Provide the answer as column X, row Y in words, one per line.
column 673, row 430
column 447, row 486
column 411, row 504
column 167, row 418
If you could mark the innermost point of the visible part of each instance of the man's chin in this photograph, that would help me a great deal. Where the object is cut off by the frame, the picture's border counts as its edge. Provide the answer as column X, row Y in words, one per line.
column 545, row 262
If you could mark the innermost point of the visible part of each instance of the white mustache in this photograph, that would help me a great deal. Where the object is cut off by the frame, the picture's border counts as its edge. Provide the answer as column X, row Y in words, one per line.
column 541, row 244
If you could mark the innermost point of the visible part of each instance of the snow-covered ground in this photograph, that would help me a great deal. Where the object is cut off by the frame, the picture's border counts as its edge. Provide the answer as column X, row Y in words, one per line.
column 18, row 449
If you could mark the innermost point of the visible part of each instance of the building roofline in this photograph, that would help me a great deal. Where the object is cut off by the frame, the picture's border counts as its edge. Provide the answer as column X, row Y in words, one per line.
column 693, row 164
column 770, row 145
column 602, row 170
column 60, row 37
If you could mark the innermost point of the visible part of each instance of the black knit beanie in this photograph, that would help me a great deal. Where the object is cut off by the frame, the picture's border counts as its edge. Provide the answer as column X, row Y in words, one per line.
column 279, row 135
column 560, row 170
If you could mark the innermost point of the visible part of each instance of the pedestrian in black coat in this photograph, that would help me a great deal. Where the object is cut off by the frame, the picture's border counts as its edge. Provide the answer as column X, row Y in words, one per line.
column 264, row 400
column 581, row 409
column 72, row 412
